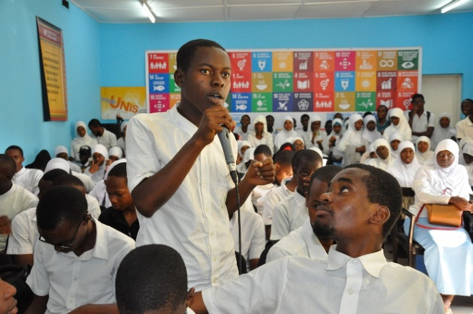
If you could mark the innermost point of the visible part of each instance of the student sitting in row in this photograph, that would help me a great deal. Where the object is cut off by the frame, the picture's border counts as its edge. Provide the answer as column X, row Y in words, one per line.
column 24, row 177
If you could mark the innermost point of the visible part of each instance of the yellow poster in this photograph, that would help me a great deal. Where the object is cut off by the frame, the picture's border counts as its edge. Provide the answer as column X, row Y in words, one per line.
column 123, row 101
column 53, row 72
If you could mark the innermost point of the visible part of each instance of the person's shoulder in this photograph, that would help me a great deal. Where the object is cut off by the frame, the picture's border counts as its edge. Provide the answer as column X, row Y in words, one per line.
column 34, row 172
column 21, row 191
column 406, row 274
column 113, row 236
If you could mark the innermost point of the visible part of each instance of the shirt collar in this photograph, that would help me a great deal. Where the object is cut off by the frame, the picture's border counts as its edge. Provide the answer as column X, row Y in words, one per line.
column 20, row 173
column 100, row 249
column 313, row 243
column 181, row 121
column 372, row 263
column 300, row 200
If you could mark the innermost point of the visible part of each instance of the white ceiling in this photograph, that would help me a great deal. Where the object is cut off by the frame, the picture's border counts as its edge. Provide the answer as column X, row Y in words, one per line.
column 169, row 11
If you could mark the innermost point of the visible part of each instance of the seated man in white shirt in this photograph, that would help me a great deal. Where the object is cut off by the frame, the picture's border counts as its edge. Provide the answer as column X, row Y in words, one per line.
column 153, row 279
column 76, row 257
column 26, row 178
column 102, row 135
column 303, row 242
column 290, row 213
column 358, row 211
column 13, row 198
column 261, row 153
column 465, row 127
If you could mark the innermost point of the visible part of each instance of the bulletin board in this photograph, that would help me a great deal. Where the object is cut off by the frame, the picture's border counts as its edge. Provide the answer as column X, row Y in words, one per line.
column 302, row 81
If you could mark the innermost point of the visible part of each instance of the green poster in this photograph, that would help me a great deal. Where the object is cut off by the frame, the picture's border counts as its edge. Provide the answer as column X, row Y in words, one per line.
column 174, row 89
column 261, row 102
column 282, row 82
column 408, row 59
column 365, row 101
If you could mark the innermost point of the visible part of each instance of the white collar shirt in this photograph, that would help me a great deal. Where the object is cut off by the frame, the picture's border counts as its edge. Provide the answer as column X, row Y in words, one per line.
column 252, row 235
column 108, row 139
column 301, row 242
column 271, row 199
column 420, row 124
column 24, row 234
column 29, row 179
column 464, row 128
column 368, row 285
column 258, row 194
column 71, row 281
column 288, row 215
column 195, row 219
column 13, row 202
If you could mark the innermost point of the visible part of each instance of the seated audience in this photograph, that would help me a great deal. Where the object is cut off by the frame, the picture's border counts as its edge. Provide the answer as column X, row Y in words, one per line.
column 26, row 178
column 330, row 142
column 468, row 158
column 121, row 142
column 394, row 140
column 303, row 242
column 59, row 163
column 285, row 134
column 316, row 136
column 261, row 153
column 115, row 153
column 242, row 167
column 97, row 169
column 76, row 257
column 424, row 153
column 85, row 157
column 153, row 279
column 298, row 143
column 448, row 252
column 122, row 214
column 352, row 144
column 40, row 160
column 102, row 135
column 82, row 139
column 260, row 135
column 100, row 190
column 62, row 152
column 383, row 152
column 291, row 213
column 358, row 211
column 242, row 147
column 370, row 133
column 13, row 198
column 464, row 127
column 444, row 130
column 399, row 124
column 244, row 129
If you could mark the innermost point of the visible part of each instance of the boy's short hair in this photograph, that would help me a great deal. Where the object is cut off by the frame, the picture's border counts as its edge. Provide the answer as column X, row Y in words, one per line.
column 18, row 148
column 186, row 53
column 263, row 149
column 60, row 203
column 150, row 278
column 8, row 162
column 306, row 154
column 284, row 157
column 68, row 180
column 383, row 189
column 417, row 96
column 94, row 123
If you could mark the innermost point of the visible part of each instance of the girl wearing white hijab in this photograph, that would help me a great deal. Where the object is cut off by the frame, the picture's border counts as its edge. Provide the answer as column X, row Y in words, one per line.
column 352, row 144
column 242, row 167
column 330, row 142
column 468, row 158
column 62, row 152
column 98, row 167
column 404, row 169
column 298, row 143
column 370, row 133
column 448, row 252
column 314, row 136
column 394, row 140
column 443, row 130
column 286, row 133
column 384, row 160
column 462, row 144
column 423, row 153
column 399, row 124
column 242, row 147
column 259, row 135
column 82, row 138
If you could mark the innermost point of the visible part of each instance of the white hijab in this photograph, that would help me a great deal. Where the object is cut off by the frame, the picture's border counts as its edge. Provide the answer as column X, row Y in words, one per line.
column 60, row 149
column 428, row 155
column 352, row 136
column 370, row 136
column 261, row 119
column 57, row 163
column 115, row 151
column 395, row 136
column 284, row 135
column 404, row 173
column 443, row 133
column 378, row 162
column 326, row 141
column 99, row 148
column 84, row 140
column 402, row 127
column 242, row 144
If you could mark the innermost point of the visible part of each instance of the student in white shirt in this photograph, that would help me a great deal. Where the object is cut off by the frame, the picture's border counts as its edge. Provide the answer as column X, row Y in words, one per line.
column 464, row 127
column 82, row 139
column 76, row 257
column 153, row 279
column 290, row 213
column 261, row 153
column 424, row 152
column 121, row 142
column 315, row 137
column 244, row 129
column 177, row 171
column 422, row 122
column 399, row 124
column 62, row 152
column 358, row 211
column 444, row 129
column 383, row 152
column 102, row 135
column 97, row 169
column 13, row 198
column 26, row 178
column 303, row 242
column 260, row 135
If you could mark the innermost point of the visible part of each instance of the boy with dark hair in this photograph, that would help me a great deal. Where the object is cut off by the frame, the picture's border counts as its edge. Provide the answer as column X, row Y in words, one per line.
column 358, row 210
column 465, row 127
column 177, row 171
column 102, row 135
column 152, row 279
column 422, row 122
column 76, row 257
column 13, row 198
column 290, row 213
column 24, row 177
column 303, row 242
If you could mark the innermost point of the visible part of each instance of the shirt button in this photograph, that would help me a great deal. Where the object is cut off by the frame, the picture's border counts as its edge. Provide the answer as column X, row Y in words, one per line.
column 214, row 280
column 75, row 279
column 211, row 233
column 350, row 291
column 214, row 259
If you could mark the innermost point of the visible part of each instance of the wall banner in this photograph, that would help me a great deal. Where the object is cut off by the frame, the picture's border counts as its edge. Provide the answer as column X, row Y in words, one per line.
column 53, row 71
column 123, row 101
column 299, row 80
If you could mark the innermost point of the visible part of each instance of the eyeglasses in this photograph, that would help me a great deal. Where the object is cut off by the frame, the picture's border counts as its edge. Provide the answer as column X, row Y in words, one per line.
column 67, row 246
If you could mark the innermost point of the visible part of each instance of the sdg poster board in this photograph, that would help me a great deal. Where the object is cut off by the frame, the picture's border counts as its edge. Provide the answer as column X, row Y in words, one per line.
column 318, row 80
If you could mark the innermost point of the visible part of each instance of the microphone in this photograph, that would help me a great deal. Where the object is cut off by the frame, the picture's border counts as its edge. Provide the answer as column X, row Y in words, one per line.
column 224, row 137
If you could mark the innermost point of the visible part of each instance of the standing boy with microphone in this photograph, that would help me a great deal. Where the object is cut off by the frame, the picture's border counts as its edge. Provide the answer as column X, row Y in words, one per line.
column 178, row 175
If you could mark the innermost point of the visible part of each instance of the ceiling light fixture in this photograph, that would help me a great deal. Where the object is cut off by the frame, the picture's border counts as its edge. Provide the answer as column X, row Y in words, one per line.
column 452, row 5
column 149, row 12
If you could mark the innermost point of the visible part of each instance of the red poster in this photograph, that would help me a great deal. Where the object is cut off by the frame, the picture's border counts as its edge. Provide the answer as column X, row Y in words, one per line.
column 403, row 100
column 158, row 63
column 387, row 81
column 303, row 61
column 385, row 98
column 241, row 82
column 241, row 62
column 345, row 61
column 324, row 82
column 302, row 82
column 407, row 81
column 324, row 61
column 159, row 103
column 324, row 101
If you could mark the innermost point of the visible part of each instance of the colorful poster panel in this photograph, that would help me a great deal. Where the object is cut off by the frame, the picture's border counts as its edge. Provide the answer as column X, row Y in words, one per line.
column 123, row 101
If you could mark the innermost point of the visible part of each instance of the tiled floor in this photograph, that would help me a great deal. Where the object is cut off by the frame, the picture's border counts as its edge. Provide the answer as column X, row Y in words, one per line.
column 461, row 305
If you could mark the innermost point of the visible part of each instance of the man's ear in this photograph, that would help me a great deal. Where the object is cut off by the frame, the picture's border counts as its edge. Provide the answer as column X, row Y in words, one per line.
column 179, row 77
column 380, row 216
column 190, row 297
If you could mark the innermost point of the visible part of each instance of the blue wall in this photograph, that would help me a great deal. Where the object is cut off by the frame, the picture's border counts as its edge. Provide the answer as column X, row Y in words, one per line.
column 113, row 55
column 21, row 115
